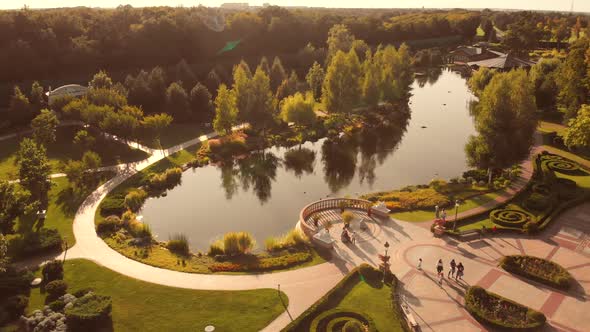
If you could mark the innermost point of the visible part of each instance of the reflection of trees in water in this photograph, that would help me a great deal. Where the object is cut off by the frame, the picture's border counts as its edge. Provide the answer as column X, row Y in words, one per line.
column 229, row 180
column 258, row 171
column 300, row 161
column 375, row 142
column 431, row 76
column 339, row 158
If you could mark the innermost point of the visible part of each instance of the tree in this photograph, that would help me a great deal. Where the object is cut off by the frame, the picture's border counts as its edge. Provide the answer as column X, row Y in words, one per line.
column 100, row 80
column 480, row 79
column 242, row 88
column 370, row 82
column 156, row 82
column 156, row 124
column 74, row 170
column 13, row 203
column 299, row 110
column 20, row 107
column 106, row 97
column 212, row 82
column 34, row 169
column 288, row 86
column 201, row 103
column 261, row 111
column 4, row 260
column 93, row 114
column 264, row 65
column 277, row 74
column 44, row 126
column 572, row 79
column 578, row 133
column 36, row 96
column 505, row 122
column 543, row 77
column 84, row 139
column 315, row 78
column 226, row 110
column 341, row 90
column 339, row 39
column 184, row 74
column 122, row 124
column 521, row 36
column 177, row 102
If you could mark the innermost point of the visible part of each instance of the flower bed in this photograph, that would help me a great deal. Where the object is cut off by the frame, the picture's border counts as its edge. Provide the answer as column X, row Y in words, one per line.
column 492, row 309
column 264, row 264
column 538, row 269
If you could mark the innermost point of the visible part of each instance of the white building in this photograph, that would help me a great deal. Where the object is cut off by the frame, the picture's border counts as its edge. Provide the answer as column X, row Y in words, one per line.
column 74, row 90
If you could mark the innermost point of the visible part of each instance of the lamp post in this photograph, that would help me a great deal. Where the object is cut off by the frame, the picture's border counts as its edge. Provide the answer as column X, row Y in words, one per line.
column 386, row 245
column 456, row 212
column 385, row 261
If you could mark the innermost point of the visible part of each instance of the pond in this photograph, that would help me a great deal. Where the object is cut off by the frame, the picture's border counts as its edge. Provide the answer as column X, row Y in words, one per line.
column 264, row 192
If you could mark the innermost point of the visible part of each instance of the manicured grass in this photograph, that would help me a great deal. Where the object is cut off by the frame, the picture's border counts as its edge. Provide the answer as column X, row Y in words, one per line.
column 63, row 204
column 177, row 133
column 480, row 32
column 375, row 302
column 547, row 127
column 111, row 152
column 142, row 306
column 423, row 215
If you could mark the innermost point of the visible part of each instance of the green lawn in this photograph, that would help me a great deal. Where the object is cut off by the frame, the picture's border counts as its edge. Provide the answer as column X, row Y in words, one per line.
column 177, row 133
column 375, row 302
column 111, row 152
column 548, row 127
column 142, row 306
column 468, row 204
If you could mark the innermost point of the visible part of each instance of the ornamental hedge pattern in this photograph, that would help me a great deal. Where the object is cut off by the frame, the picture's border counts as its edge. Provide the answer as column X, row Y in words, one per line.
column 538, row 269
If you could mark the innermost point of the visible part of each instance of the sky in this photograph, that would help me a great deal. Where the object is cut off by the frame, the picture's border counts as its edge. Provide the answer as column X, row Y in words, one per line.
column 561, row 5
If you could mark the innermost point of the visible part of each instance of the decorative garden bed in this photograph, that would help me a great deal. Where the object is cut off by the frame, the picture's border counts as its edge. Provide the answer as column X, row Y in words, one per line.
column 495, row 310
column 538, row 269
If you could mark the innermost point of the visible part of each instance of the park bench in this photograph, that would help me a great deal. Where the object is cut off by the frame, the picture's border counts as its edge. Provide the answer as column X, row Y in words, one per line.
column 409, row 316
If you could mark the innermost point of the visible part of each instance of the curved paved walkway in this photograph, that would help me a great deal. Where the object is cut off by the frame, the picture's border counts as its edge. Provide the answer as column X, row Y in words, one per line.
column 437, row 308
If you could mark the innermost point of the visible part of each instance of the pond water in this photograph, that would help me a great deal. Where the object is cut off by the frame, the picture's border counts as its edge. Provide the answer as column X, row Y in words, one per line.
column 263, row 193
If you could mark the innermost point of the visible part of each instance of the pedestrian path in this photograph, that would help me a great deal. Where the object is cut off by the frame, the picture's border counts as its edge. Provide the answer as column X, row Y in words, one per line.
column 437, row 308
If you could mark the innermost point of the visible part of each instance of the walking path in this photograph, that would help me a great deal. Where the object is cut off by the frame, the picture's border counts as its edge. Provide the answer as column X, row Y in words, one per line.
column 437, row 308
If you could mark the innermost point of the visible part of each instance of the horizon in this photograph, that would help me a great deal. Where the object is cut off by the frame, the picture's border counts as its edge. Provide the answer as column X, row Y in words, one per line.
column 539, row 5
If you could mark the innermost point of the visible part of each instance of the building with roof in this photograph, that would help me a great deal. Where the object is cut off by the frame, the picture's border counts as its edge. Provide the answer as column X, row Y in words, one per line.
column 503, row 62
column 464, row 54
column 74, row 90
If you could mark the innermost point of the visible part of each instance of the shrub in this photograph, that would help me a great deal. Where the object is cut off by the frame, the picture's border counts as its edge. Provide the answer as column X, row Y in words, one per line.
column 347, row 217
column 422, row 198
column 140, row 230
column 264, row 264
column 230, row 244
column 245, row 242
column 35, row 243
column 178, row 244
column 531, row 227
column 294, row 238
column 437, row 184
column 216, row 248
column 476, row 175
column 113, row 205
column 510, row 217
column 135, row 199
column 167, row 180
column 108, row 225
column 501, row 312
column 53, row 270
column 88, row 311
column 57, row 305
column 55, row 289
column 82, row 292
column 14, row 306
column 128, row 218
column 273, row 244
column 338, row 319
column 537, row 202
column 538, row 269
column 352, row 326
column 227, row 147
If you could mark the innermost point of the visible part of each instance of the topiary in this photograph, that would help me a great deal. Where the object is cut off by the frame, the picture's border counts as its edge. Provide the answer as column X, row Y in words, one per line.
column 537, row 202
column 56, row 288
column 531, row 227
column 352, row 326
column 57, row 305
column 53, row 270
column 88, row 312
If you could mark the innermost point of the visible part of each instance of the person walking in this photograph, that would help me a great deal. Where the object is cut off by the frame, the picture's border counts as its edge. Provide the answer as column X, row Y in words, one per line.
column 453, row 266
column 460, row 269
column 352, row 237
column 439, row 270
column 443, row 215
column 436, row 212
column 419, row 263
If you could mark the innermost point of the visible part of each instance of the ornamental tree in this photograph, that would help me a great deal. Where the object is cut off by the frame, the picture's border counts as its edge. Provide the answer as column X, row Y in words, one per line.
column 578, row 133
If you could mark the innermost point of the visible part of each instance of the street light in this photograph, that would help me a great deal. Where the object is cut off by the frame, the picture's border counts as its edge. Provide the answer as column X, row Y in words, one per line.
column 385, row 261
column 386, row 245
column 456, row 212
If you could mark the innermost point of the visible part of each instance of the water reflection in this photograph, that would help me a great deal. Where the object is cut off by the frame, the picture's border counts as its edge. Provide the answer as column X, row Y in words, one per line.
column 430, row 76
column 300, row 161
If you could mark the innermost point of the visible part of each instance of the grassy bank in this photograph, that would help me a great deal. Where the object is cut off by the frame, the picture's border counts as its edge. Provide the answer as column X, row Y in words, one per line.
column 142, row 306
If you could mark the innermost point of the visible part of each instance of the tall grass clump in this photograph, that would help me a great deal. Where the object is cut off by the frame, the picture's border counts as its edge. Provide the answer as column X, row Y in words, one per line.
column 216, row 248
column 235, row 243
column 294, row 238
column 178, row 244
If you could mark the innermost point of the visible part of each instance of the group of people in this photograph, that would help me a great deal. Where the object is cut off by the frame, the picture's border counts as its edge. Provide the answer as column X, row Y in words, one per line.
column 455, row 270
column 440, row 214
column 348, row 234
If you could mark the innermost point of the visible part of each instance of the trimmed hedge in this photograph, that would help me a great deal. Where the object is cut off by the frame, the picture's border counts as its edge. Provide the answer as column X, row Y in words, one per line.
column 335, row 319
column 113, row 205
column 55, row 289
column 513, row 316
column 538, row 269
column 108, row 225
column 336, row 294
column 46, row 240
column 510, row 217
column 89, row 311
column 53, row 270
